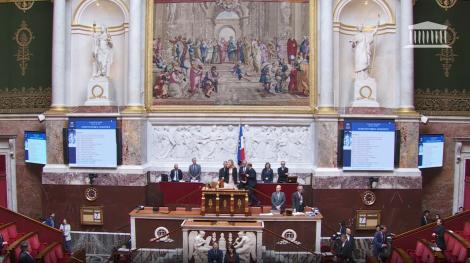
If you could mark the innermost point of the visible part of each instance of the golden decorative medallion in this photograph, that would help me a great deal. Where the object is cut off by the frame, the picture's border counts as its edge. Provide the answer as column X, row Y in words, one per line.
column 210, row 203
column 365, row 92
column 23, row 37
column 446, row 4
column 24, row 5
column 91, row 194
column 97, row 92
column 368, row 198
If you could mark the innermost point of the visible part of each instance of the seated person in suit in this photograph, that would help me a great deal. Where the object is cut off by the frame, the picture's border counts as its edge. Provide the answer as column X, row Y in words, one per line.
column 25, row 256
column 298, row 199
column 267, row 173
column 215, row 255
column 176, row 174
column 282, row 173
column 223, row 173
column 278, row 199
column 194, row 171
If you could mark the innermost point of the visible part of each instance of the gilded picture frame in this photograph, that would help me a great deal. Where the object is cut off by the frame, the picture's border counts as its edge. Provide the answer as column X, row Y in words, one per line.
column 284, row 109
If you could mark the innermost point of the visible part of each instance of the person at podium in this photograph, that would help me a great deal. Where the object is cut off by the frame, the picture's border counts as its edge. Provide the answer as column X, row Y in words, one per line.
column 278, row 199
column 298, row 200
column 232, row 172
column 176, row 174
column 282, row 173
column 223, row 173
column 267, row 174
column 194, row 171
column 248, row 181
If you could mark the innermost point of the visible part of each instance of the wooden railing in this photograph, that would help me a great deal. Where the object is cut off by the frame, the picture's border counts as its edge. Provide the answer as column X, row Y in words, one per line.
column 407, row 240
column 11, row 249
column 47, row 250
column 405, row 258
column 25, row 224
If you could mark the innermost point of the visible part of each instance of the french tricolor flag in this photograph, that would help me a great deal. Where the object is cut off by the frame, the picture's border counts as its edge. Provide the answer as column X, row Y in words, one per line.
column 241, row 146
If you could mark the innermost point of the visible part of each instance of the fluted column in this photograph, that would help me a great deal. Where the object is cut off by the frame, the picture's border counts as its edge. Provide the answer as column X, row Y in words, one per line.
column 407, row 70
column 58, row 56
column 326, row 98
column 134, row 84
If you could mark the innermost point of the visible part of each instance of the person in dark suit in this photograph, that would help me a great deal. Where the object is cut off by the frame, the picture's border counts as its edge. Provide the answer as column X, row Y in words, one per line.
column 250, row 183
column 176, row 174
column 3, row 244
column 438, row 234
column 345, row 250
column 232, row 172
column 267, row 174
column 425, row 218
column 342, row 228
column 25, row 256
column 215, row 255
column 242, row 171
column 231, row 256
column 50, row 220
column 351, row 239
column 298, row 199
column 282, row 173
column 223, row 173
column 194, row 171
column 278, row 199
column 378, row 243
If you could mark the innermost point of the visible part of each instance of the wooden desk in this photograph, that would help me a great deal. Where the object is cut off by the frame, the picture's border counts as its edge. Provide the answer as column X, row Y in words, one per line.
column 224, row 201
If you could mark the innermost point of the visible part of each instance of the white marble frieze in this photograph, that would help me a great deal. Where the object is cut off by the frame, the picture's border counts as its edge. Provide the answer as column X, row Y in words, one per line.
column 212, row 144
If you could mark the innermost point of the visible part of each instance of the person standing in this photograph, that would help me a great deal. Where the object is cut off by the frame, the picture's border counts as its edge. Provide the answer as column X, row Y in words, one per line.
column 223, row 172
column 267, row 173
column 242, row 172
column 231, row 256
column 345, row 250
column 194, row 171
column 425, row 218
column 298, row 200
column 278, row 199
column 176, row 174
column 438, row 234
column 291, row 48
column 232, row 172
column 215, row 255
column 50, row 220
column 282, row 173
column 378, row 243
column 250, row 183
column 25, row 256
column 66, row 228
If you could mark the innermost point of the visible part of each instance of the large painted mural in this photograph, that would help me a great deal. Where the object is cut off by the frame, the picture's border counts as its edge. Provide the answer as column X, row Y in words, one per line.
column 231, row 52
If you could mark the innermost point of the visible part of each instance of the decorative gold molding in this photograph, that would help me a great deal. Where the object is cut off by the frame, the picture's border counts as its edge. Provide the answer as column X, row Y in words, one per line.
column 409, row 111
column 23, row 37
column 25, row 100
column 134, row 109
column 443, row 102
column 15, row 1
column 446, row 4
column 327, row 110
column 24, row 5
column 447, row 55
column 312, row 72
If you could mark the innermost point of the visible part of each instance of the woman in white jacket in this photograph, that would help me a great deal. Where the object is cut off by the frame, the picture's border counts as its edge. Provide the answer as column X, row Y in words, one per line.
column 65, row 227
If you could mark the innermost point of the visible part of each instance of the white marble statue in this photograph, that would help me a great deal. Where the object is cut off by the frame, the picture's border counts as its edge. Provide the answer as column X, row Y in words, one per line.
column 363, row 45
column 199, row 247
column 245, row 246
column 102, row 52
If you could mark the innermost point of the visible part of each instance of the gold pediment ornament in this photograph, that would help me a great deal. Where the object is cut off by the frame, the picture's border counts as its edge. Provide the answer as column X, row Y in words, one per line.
column 446, row 4
column 24, row 5
column 23, row 37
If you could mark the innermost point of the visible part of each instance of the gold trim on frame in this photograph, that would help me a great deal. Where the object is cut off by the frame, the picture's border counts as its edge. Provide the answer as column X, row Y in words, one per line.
column 232, row 108
column 14, row 1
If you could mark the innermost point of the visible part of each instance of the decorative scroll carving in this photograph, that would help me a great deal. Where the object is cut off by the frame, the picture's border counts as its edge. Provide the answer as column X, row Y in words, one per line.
column 446, row 4
column 442, row 102
column 24, row 5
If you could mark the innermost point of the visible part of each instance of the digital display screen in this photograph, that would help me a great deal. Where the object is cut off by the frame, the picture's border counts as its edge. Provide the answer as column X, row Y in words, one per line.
column 430, row 150
column 35, row 150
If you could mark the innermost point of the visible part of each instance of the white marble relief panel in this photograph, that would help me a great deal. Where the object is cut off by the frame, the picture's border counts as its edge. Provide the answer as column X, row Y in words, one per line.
column 212, row 144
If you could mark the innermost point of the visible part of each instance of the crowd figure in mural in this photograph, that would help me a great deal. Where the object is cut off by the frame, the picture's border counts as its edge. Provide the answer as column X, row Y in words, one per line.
column 185, row 67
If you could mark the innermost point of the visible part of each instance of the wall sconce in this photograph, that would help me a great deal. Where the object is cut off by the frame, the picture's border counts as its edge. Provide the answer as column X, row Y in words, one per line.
column 373, row 182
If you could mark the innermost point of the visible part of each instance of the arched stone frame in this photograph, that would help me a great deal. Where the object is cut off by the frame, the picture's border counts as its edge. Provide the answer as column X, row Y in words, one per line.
column 234, row 27
column 388, row 26
column 81, row 30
